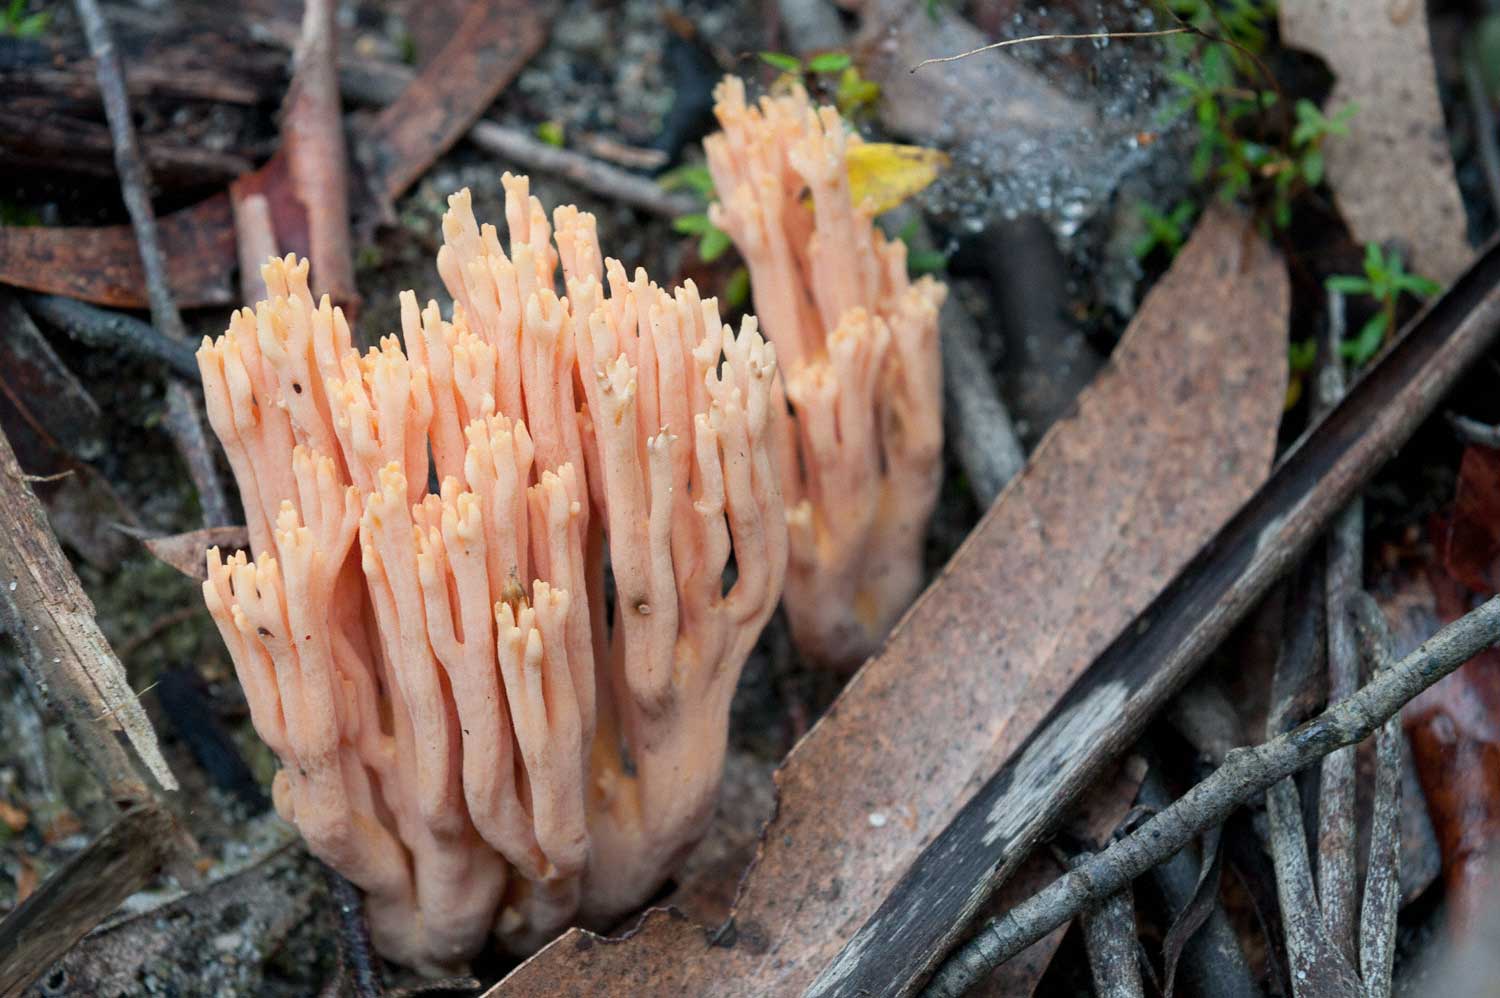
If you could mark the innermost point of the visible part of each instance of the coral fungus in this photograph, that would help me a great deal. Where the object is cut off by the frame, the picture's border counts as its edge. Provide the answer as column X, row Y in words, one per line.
column 468, row 731
column 858, row 344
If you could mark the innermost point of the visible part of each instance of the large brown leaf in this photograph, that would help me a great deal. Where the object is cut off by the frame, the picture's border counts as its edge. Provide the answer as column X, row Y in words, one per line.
column 491, row 44
column 1164, row 446
column 1392, row 176
column 103, row 265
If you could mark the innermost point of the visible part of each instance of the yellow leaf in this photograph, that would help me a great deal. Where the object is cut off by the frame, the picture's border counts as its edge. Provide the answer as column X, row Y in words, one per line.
column 882, row 174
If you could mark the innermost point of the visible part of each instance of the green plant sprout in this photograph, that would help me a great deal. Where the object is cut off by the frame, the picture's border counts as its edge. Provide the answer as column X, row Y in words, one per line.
column 921, row 261
column 1167, row 230
column 712, row 240
column 1385, row 279
column 551, row 132
column 851, row 92
column 16, row 23
column 1301, row 356
column 1240, row 149
column 694, row 177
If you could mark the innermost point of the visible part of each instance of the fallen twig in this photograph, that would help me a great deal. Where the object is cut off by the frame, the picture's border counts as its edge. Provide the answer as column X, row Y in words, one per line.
column 1345, row 558
column 594, row 175
column 1377, row 920
column 1472, row 431
column 356, row 953
column 184, row 420
column 1484, row 124
column 1109, row 938
column 1316, row 965
column 983, row 436
column 1246, row 773
column 1211, row 960
column 382, row 84
column 64, row 653
column 82, row 893
column 99, row 327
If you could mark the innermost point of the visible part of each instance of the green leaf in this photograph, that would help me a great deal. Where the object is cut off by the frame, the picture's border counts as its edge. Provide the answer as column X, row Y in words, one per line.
column 1283, row 212
column 1339, row 123
column 690, row 177
column 782, row 61
column 1421, row 287
column 693, row 225
column 1302, row 354
column 829, row 62
column 1203, row 159
column 715, row 241
column 737, row 288
column 551, row 132
column 855, row 92
column 1367, row 344
column 1347, row 284
column 926, row 261
column 1312, row 167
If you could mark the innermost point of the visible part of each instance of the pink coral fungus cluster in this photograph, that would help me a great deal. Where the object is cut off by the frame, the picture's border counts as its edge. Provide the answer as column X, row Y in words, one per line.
column 858, row 344
column 469, row 730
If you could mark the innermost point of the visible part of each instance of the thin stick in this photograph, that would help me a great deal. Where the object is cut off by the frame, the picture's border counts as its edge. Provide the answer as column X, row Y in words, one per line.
column 1472, row 431
column 1345, row 554
column 1377, row 920
column 1053, row 38
column 980, row 427
column 82, row 893
column 1245, row 774
column 1109, row 939
column 184, row 419
column 1294, row 685
column 591, row 174
column 97, row 327
column 1484, row 125
column 354, row 937
column 62, row 650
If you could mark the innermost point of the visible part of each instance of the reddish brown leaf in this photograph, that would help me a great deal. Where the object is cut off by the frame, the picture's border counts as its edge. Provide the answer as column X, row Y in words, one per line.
column 1164, row 446
column 489, row 48
column 102, row 264
column 1454, row 729
column 1471, row 544
column 187, row 552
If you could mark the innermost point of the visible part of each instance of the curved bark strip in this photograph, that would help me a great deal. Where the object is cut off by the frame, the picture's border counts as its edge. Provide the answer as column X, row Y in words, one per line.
column 102, row 265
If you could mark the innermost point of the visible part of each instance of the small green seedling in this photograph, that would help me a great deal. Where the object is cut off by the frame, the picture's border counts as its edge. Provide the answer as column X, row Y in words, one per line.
column 552, row 133
column 851, row 92
column 1166, row 230
column 1385, row 279
column 1244, row 150
column 712, row 240
column 694, row 177
column 16, row 23
column 921, row 261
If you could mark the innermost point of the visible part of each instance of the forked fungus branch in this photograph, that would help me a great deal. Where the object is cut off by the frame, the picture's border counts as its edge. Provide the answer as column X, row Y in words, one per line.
column 469, row 732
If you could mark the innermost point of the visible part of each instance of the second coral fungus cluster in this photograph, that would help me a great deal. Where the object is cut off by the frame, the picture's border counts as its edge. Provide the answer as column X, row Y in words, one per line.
column 858, row 342
column 469, row 730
